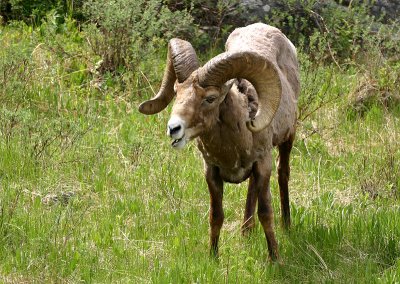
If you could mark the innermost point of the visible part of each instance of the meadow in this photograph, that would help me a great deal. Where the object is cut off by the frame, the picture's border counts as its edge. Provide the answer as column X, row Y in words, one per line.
column 91, row 190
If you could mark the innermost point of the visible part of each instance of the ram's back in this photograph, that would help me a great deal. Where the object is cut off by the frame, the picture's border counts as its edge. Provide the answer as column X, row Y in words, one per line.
column 272, row 44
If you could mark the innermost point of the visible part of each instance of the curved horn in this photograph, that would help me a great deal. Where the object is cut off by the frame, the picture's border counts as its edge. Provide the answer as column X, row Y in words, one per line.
column 256, row 68
column 181, row 62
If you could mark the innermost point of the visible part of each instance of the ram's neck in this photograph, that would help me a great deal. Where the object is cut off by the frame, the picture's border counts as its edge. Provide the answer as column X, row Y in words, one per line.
column 228, row 143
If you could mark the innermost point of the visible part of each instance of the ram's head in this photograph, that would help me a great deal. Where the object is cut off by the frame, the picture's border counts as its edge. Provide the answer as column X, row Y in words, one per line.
column 200, row 90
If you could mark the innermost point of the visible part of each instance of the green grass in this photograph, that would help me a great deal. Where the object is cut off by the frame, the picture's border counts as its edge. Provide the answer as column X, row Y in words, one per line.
column 91, row 191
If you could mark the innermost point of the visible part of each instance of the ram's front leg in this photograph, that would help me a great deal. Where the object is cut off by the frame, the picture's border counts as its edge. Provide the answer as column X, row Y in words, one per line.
column 215, row 187
column 262, row 174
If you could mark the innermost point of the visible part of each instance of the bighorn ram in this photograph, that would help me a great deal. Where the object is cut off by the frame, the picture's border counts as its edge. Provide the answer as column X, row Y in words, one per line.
column 238, row 105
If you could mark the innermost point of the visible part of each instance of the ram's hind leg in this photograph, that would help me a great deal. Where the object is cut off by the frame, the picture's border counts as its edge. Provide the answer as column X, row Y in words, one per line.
column 283, row 180
column 262, row 174
column 252, row 194
column 215, row 187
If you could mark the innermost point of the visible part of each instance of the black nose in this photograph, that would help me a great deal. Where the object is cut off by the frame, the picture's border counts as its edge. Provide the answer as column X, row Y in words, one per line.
column 174, row 130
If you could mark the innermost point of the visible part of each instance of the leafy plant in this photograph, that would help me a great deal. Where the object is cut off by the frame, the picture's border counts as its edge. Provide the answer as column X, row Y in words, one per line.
column 33, row 11
column 123, row 32
column 327, row 30
column 214, row 18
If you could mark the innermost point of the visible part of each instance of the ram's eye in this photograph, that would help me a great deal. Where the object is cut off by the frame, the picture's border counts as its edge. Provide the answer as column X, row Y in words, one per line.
column 210, row 99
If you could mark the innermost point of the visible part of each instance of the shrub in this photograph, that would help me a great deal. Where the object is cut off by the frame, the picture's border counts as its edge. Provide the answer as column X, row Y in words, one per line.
column 123, row 32
column 33, row 11
column 215, row 18
column 327, row 30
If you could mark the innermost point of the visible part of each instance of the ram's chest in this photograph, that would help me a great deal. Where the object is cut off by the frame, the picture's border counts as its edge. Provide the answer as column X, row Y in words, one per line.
column 235, row 175
column 229, row 144
column 235, row 160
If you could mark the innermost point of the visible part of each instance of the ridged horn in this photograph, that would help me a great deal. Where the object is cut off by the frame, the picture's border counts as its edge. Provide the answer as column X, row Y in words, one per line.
column 254, row 67
column 181, row 62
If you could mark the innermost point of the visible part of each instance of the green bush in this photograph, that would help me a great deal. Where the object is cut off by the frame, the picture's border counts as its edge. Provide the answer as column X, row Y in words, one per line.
column 216, row 19
column 123, row 32
column 33, row 11
column 327, row 30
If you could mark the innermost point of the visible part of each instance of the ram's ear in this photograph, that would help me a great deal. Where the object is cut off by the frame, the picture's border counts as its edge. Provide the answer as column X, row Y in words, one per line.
column 226, row 87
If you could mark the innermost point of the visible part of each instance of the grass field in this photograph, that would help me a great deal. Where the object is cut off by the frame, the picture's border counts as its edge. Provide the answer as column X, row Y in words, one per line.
column 91, row 191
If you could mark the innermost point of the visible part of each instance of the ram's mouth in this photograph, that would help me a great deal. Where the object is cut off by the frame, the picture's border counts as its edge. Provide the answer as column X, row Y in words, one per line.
column 176, row 141
column 179, row 143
